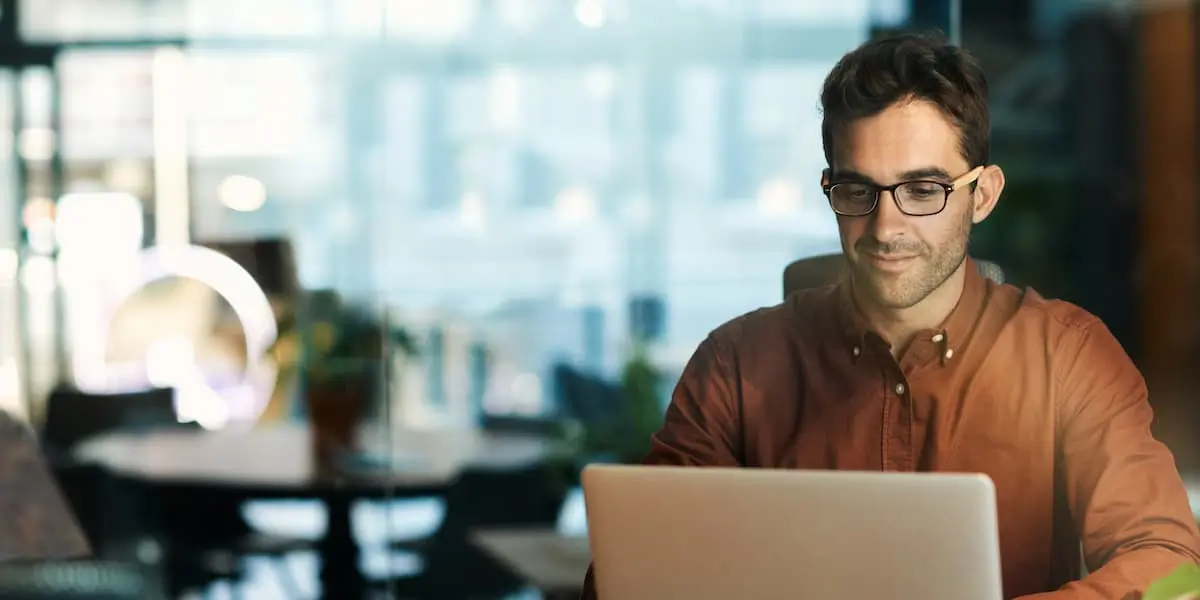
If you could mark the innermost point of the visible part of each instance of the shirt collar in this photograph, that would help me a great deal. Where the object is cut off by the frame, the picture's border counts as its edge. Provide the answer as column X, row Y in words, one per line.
column 950, row 335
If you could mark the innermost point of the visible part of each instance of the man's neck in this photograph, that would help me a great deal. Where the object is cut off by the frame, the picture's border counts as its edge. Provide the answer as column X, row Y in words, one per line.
column 898, row 326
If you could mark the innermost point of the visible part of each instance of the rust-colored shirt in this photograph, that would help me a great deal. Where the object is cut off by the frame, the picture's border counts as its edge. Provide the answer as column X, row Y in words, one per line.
column 1035, row 393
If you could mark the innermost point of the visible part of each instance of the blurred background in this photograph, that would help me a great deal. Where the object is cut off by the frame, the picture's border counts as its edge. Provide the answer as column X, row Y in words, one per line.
column 333, row 298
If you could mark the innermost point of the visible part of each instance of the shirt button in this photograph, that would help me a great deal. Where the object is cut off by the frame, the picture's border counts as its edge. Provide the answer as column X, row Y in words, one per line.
column 937, row 339
column 900, row 389
column 856, row 351
column 949, row 353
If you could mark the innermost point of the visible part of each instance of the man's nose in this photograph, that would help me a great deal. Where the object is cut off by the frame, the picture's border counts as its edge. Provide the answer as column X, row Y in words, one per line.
column 887, row 222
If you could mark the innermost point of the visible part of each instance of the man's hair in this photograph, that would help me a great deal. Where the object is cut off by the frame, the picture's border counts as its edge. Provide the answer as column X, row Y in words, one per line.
column 881, row 73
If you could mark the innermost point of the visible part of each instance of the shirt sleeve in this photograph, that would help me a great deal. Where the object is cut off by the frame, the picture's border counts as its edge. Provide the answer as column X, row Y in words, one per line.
column 1124, row 491
column 702, row 427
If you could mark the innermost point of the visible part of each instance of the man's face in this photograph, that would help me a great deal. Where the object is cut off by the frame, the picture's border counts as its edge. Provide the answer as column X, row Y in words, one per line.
column 898, row 260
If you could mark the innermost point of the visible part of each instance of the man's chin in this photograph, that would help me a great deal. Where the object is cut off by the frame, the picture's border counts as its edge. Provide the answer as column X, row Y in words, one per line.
column 888, row 292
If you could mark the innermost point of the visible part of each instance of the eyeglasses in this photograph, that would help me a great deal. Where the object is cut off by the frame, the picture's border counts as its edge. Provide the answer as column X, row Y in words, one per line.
column 917, row 198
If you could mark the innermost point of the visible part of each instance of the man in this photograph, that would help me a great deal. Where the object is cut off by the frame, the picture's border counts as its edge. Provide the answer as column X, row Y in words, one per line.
column 914, row 362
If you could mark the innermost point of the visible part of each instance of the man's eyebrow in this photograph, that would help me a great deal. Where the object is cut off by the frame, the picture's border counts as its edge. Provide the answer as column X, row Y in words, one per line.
column 844, row 175
column 925, row 173
column 847, row 175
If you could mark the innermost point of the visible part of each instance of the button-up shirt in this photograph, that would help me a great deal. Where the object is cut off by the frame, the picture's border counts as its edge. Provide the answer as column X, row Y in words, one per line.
column 1035, row 393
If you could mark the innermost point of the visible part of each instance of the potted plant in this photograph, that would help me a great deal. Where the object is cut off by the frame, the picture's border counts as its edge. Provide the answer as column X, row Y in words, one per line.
column 624, row 437
column 1182, row 584
column 335, row 351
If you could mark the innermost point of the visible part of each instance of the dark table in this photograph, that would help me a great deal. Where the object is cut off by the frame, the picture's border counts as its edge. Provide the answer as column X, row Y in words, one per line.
column 277, row 463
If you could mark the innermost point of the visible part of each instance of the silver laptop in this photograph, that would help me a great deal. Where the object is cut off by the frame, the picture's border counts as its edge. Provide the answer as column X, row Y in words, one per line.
column 715, row 534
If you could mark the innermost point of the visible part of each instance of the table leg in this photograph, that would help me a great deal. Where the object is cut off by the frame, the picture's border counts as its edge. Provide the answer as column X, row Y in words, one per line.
column 340, row 575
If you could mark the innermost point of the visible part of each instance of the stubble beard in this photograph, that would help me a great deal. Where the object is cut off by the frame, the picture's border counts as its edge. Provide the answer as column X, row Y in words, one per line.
column 933, row 266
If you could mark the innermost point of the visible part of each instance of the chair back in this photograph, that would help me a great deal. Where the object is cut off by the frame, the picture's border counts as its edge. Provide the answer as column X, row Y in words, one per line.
column 481, row 498
column 528, row 498
column 585, row 397
column 73, row 416
column 826, row 269
column 813, row 272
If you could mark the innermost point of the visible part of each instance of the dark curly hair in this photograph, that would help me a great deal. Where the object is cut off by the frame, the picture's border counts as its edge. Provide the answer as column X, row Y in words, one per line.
column 882, row 72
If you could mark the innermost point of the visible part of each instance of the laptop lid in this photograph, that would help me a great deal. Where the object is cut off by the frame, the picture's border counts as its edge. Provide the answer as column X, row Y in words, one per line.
column 719, row 533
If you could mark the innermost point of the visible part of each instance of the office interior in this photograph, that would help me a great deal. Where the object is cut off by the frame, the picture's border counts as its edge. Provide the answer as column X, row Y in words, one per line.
column 334, row 298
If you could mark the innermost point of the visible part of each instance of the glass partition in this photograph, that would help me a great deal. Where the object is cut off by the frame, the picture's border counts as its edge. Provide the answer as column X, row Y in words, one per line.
column 519, row 210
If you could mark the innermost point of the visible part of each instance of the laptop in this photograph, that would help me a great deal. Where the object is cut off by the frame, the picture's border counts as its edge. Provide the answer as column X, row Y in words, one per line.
column 719, row 533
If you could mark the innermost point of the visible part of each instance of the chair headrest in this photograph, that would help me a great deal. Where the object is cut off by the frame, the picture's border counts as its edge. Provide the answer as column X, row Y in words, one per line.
column 990, row 270
column 813, row 272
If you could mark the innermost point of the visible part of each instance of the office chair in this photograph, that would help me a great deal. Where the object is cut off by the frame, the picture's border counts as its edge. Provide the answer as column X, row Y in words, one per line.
column 73, row 416
column 455, row 569
column 209, row 549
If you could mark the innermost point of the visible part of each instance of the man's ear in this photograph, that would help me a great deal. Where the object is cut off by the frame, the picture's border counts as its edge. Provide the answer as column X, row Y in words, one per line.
column 987, row 192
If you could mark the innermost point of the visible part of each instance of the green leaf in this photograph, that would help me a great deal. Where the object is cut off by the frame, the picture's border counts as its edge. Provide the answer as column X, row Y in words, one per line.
column 1183, row 583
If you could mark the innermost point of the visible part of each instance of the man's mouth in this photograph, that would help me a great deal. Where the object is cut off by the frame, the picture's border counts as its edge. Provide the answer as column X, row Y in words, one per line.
column 890, row 262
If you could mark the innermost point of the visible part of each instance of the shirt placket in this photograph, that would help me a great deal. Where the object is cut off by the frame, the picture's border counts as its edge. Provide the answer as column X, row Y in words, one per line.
column 897, row 422
column 900, row 443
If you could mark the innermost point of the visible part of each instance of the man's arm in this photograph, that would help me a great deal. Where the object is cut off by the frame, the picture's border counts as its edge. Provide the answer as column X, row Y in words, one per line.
column 701, row 427
column 1124, row 492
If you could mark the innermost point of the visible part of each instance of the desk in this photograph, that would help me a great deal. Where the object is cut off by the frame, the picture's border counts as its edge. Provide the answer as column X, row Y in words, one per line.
column 554, row 563
column 276, row 462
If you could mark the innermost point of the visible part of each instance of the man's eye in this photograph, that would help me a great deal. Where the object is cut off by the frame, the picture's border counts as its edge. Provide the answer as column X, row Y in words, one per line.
column 921, row 190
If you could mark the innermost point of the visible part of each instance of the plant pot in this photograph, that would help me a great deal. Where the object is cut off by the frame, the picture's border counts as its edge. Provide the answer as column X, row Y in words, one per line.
column 335, row 410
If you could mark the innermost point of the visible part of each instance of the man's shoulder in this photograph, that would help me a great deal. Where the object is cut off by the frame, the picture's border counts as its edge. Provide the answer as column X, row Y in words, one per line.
column 1057, row 328
column 779, row 322
column 1054, row 314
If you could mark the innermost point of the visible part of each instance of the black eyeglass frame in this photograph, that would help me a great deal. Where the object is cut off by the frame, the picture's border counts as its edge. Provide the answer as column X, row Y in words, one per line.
column 965, row 179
